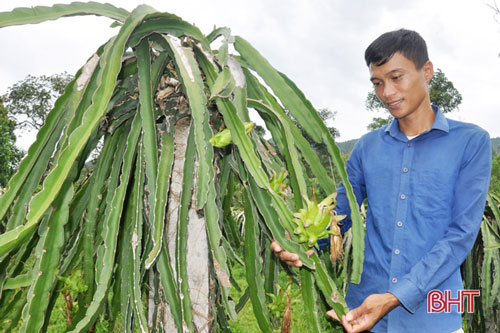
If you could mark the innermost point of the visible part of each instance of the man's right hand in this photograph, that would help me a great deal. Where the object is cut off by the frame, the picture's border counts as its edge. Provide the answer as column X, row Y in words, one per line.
column 292, row 259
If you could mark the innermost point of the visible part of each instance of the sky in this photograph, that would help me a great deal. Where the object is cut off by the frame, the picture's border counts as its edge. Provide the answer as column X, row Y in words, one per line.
column 319, row 44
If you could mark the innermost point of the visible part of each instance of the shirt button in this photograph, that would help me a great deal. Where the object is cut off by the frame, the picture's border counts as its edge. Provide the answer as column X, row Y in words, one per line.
column 399, row 223
column 403, row 196
column 396, row 251
column 409, row 144
column 394, row 280
column 405, row 170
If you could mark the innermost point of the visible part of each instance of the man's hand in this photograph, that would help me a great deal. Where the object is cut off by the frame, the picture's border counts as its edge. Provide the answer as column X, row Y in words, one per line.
column 292, row 259
column 367, row 314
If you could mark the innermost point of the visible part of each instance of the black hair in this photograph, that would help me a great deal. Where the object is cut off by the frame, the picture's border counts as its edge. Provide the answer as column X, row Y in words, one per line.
column 409, row 43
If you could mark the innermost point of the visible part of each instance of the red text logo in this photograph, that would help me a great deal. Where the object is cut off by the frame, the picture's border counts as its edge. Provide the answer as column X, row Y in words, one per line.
column 438, row 301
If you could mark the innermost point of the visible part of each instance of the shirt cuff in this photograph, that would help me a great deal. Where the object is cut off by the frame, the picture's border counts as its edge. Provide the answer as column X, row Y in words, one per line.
column 408, row 295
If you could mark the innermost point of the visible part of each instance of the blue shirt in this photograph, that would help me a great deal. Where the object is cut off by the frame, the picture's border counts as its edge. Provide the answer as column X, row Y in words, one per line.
column 426, row 198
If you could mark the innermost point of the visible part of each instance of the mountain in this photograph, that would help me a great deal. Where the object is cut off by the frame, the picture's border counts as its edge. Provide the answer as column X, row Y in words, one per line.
column 347, row 146
column 495, row 144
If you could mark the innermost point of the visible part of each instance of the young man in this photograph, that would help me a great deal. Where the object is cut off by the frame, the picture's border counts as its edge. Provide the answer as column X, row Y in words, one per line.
column 426, row 179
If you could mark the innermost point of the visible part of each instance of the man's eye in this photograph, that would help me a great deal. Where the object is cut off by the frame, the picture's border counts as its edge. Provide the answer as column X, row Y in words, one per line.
column 376, row 84
column 397, row 77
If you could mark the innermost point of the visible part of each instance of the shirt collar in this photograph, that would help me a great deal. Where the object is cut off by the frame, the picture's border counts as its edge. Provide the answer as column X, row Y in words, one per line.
column 440, row 123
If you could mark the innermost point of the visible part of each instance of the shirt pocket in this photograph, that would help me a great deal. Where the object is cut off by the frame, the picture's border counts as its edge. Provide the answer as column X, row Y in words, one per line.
column 433, row 193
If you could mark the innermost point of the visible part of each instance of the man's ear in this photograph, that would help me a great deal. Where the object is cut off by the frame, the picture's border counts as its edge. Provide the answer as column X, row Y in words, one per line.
column 428, row 69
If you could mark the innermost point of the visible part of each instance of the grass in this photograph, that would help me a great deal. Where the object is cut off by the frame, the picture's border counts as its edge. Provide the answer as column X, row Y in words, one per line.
column 246, row 322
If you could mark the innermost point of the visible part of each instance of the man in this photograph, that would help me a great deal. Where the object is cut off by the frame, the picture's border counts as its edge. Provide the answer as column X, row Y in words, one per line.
column 426, row 179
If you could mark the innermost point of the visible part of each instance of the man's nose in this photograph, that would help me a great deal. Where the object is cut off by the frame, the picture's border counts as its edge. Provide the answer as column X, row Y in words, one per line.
column 388, row 92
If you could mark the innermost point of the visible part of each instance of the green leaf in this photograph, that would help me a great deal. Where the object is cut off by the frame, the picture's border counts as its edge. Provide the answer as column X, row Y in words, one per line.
column 167, row 279
column 20, row 281
column 166, row 23
column 253, row 267
column 49, row 253
column 113, row 146
column 162, row 187
column 305, row 148
column 493, row 203
column 290, row 152
column 358, row 229
column 182, row 230
column 309, row 296
column 136, row 207
column 222, row 31
column 32, row 179
column 486, row 272
column 243, row 142
column 272, row 216
column 229, row 224
column 111, row 63
column 222, row 82
column 333, row 296
column 112, row 222
column 240, row 88
column 271, row 268
column 307, row 117
column 11, row 319
column 214, row 234
column 193, row 86
column 236, row 127
column 38, row 156
column 39, row 14
column 148, row 118
column 49, row 130
column 169, row 285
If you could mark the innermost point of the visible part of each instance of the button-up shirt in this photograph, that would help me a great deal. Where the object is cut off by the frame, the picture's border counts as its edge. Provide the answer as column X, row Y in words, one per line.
column 426, row 198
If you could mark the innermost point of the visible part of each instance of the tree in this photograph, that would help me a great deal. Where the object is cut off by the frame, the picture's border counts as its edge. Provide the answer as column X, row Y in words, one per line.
column 10, row 155
column 30, row 100
column 495, row 175
column 442, row 93
column 496, row 10
column 378, row 122
column 326, row 116
column 152, row 220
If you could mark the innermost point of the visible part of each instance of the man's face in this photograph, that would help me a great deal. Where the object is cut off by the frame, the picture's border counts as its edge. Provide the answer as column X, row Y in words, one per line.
column 401, row 87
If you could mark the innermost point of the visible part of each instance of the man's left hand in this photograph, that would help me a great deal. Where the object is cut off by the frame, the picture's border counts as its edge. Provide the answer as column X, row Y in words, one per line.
column 367, row 314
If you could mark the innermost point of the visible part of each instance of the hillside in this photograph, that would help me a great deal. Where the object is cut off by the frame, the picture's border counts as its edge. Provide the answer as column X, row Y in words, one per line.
column 495, row 144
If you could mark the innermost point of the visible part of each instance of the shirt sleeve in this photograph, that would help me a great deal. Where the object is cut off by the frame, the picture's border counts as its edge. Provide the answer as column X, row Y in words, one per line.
column 446, row 256
column 354, row 168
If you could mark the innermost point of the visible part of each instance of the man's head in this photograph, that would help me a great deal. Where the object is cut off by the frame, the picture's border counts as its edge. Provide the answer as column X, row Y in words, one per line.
column 409, row 43
column 400, row 71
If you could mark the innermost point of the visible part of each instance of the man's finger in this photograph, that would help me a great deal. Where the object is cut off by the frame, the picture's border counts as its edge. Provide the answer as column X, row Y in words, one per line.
column 358, row 327
column 346, row 324
column 276, row 247
column 353, row 314
column 333, row 314
column 295, row 263
column 287, row 256
column 292, row 259
column 310, row 252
